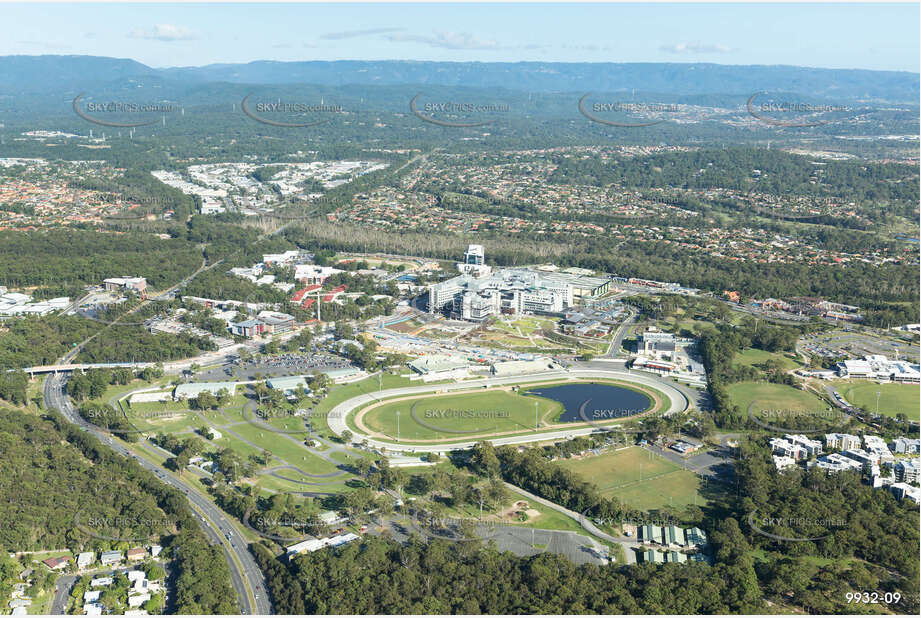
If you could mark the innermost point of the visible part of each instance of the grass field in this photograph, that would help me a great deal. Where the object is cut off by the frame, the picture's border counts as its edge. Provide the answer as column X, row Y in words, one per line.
column 340, row 393
column 774, row 397
column 433, row 416
column 283, row 448
column 754, row 356
column 638, row 478
column 893, row 398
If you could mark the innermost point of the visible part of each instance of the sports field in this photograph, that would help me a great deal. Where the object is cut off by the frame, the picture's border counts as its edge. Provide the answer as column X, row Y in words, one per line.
column 638, row 478
column 774, row 397
column 459, row 414
column 893, row 398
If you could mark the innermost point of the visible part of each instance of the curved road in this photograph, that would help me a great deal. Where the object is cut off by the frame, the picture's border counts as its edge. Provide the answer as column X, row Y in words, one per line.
column 337, row 416
column 245, row 574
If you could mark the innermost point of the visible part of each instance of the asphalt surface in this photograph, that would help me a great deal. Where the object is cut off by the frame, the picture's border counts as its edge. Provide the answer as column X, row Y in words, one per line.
column 519, row 540
column 62, row 588
column 214, row 523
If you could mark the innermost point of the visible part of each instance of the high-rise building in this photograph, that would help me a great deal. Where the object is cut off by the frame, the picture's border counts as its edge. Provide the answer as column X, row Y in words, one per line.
column 475, row 255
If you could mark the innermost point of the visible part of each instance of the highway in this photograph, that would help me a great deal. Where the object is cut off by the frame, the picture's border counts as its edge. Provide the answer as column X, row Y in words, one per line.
column 337, row 416
column 246, row 577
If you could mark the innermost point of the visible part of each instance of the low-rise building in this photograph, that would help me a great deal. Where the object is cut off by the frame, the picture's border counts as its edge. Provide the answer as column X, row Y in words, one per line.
column 520, row 367
column 904, row 490
column 651, row 534
column 276, row 322
column 785, row 448
column 432, row 367
column 782, row 462
column 696, row 537
column 57, row 564
column 812, row 447
column 134, row 284
column 908, row 446
column 673, row 535
column 866, row 459
column 248, row 328
column 194, row 389
column 85, row 559
column 138, row 599
column 878, row 367
column 837, row 462
column 907, row 470
column 110, row 557
column 313, row 545
column 841, row 441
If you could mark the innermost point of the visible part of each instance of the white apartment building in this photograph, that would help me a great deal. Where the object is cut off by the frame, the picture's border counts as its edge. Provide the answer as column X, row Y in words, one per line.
column 910, row 446
column 812, row 447
column 841, row 441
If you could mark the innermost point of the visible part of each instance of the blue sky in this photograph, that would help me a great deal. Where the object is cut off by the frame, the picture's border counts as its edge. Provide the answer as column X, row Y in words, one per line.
column 864, row 36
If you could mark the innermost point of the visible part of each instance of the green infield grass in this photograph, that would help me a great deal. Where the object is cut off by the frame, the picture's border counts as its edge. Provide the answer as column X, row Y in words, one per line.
column 893, row 398
column 459, row 414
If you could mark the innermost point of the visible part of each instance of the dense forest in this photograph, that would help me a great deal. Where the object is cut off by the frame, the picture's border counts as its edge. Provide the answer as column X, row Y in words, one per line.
column 862, row 537
column 58, row 483
column 779, row 173
column 68, row 259
column 378, row 576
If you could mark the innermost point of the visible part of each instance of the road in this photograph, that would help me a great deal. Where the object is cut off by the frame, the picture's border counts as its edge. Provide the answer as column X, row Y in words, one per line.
column 337, row 416
column 244, row 572
column 617, row 341
column 627, row 543
column 62, row 589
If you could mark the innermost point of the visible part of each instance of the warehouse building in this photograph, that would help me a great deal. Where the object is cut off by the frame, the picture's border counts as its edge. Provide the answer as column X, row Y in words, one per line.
column 520, row 367
column 194, row 389
column 134, row 284
column 432, row 367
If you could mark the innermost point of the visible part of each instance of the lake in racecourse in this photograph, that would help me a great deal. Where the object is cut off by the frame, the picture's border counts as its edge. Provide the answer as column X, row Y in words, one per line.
column 605, row 401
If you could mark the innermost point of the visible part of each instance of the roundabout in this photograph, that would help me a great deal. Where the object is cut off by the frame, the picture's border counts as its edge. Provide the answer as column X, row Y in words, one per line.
column 551, row 405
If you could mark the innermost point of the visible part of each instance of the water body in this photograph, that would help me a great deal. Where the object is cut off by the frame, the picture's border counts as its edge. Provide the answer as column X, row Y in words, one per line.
column 605, row 401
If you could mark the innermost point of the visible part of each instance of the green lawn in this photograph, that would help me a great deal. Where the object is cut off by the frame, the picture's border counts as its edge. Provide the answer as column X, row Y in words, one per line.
column 639, row 478
column 450, row 415
column 340, row 393
column 893, row 398
column 774, row 397
column 243, row 449
column 754, row 356
column 279, row 445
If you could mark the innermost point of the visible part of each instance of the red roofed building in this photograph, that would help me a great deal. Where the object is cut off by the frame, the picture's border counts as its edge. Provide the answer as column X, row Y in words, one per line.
column 299, row 295
column 334, row 293
column 56, row 564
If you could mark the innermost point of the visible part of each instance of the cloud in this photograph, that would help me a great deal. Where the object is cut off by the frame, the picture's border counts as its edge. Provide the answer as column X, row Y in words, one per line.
column 695, row 48
column 446, row 40
column 164, row 32
column 351, row 34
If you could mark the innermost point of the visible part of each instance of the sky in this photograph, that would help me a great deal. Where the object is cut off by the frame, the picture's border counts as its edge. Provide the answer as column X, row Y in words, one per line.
column 851, row 36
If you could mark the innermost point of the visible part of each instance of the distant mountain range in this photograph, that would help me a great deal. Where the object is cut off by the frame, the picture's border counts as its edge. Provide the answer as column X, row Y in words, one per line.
column 41, row 75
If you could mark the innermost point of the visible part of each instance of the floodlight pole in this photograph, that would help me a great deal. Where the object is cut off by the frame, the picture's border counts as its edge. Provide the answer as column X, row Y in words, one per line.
column 398, row 425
